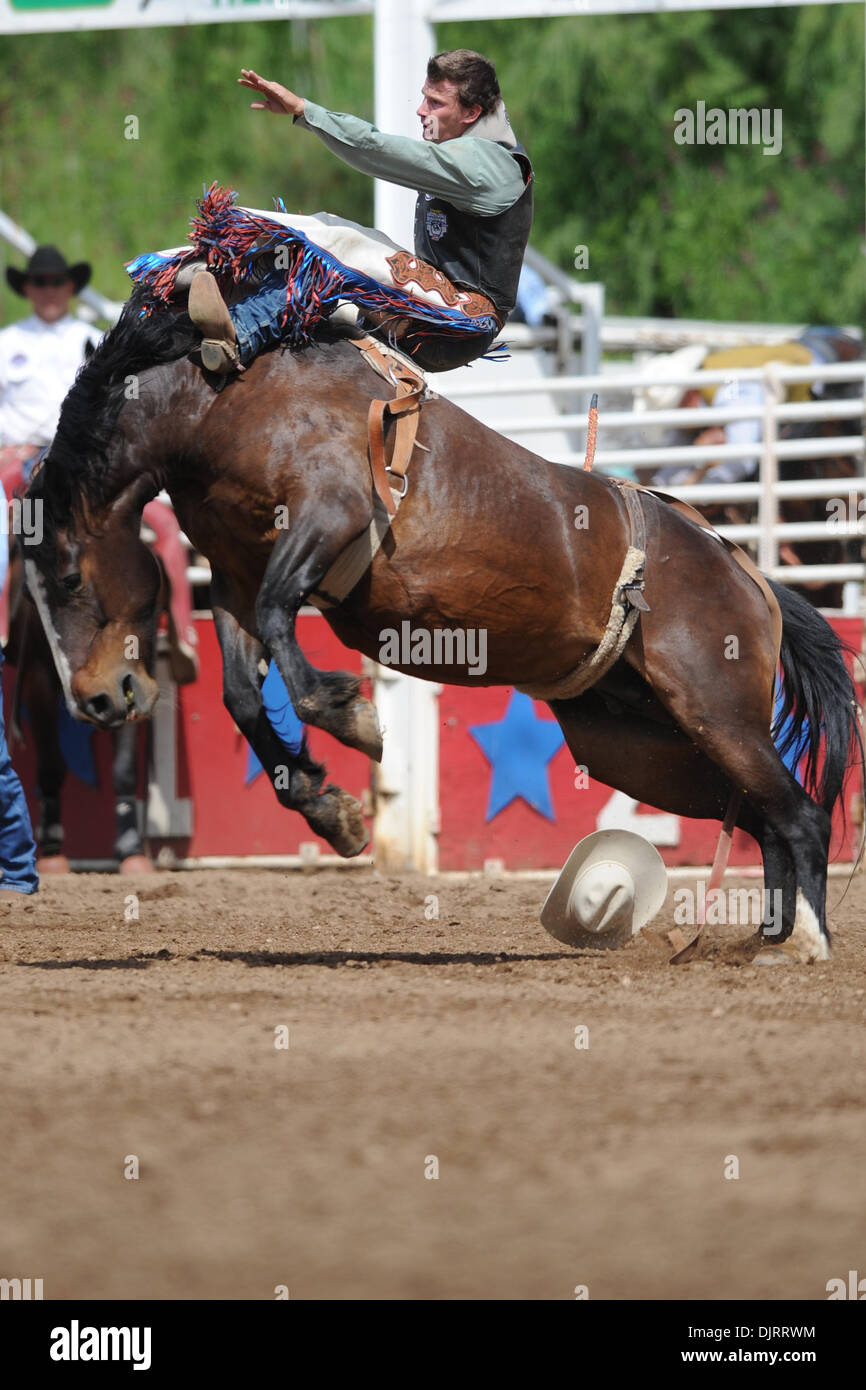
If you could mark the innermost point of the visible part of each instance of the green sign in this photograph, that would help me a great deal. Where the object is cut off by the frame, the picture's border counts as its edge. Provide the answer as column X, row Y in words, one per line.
column 59, row 4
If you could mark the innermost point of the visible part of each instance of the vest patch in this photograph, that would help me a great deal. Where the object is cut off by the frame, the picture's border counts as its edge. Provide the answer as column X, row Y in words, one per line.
column 437, row 224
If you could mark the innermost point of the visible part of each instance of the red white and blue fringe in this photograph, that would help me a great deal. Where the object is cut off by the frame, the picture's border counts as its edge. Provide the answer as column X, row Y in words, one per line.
column 232, row 240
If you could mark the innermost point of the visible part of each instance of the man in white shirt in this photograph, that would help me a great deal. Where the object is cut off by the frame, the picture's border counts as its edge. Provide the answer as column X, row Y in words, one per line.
column 40, row 355
column 39, row 358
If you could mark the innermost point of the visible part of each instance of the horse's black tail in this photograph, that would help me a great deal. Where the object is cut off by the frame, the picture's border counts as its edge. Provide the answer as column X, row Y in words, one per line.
column 820, row 698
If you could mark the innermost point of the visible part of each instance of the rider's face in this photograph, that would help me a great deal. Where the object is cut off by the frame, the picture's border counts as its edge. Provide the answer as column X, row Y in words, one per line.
column 443, row 115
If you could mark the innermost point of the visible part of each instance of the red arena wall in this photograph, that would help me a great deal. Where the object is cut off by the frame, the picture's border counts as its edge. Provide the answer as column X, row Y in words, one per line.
column 509, row 788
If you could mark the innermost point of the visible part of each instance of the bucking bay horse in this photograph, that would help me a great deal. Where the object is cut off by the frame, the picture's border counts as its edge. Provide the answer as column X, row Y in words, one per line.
column 655, row 648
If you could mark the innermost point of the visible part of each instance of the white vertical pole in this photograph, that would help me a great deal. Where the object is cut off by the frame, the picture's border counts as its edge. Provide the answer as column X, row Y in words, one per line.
column 768, row 505
column 168, row 814
column 407, row 802
column 407, row 782
column 403, row 41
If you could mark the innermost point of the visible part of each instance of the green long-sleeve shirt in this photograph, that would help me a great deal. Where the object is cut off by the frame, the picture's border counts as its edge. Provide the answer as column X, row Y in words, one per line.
column 472, row 172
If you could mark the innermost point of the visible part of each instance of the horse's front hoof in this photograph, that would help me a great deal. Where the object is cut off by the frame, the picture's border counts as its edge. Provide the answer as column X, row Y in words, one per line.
column 368, row 734
column 346, row 834
column 54, row 864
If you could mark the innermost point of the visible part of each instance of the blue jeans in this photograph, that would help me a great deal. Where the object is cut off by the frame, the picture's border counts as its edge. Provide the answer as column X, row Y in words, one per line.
column 258, row 322
column 17, row 847
column 258, row 319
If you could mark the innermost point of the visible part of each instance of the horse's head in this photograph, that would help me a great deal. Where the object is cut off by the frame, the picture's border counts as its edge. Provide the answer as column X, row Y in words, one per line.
column 97, row 588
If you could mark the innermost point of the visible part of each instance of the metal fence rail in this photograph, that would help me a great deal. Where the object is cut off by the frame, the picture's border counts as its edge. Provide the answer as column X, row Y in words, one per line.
column 767, row 532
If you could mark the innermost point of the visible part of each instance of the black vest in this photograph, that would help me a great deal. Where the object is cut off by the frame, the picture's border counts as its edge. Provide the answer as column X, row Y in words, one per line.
column 478, row 253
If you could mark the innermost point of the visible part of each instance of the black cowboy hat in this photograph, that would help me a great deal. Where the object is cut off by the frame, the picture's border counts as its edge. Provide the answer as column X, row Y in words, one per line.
column 47, row 260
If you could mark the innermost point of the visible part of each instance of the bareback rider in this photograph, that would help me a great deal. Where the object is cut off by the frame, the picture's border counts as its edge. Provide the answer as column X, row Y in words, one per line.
column 472, row 217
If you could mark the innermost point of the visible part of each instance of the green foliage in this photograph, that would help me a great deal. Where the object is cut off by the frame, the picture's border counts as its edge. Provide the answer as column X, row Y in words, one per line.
column 700, row 231
column 69, row 175
column 696, row 231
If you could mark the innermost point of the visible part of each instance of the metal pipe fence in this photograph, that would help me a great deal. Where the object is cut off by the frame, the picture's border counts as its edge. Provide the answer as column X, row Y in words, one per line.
column 842, row 494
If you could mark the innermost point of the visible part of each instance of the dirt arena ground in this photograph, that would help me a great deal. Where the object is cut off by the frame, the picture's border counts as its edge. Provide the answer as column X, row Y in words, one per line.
column 413, row 1039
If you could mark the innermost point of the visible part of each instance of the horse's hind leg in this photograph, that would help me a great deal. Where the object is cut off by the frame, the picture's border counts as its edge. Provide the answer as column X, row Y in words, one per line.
column 793, row 825
column 780, row 879
column 802, row 849
column 655, row 763
column 296, row 778
column 330, row 700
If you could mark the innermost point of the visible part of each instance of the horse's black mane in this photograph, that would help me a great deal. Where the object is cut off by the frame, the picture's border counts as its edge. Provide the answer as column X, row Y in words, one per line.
column 77, row 461
column 147, row 334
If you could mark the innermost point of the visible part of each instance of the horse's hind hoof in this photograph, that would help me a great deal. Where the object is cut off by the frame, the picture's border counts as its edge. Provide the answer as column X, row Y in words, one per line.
column 806, row 944
column 792, row 952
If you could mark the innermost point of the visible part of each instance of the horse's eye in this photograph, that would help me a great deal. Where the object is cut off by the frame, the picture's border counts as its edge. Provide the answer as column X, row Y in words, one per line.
column 71, row 582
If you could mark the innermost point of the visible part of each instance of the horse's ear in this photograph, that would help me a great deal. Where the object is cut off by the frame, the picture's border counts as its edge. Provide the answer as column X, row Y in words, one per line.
column 132, row 499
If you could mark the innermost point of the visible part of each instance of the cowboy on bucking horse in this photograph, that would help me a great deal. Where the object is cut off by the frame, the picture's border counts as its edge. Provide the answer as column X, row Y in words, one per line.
column 472, row 220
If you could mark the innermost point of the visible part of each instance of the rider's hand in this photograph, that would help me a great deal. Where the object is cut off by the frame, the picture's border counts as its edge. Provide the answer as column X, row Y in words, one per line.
column 276, row 98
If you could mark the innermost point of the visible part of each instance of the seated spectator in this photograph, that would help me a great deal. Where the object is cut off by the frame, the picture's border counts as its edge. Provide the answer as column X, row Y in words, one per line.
column 663, row 394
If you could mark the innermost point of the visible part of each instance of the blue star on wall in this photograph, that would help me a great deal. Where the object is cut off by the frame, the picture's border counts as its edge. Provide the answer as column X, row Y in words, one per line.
column 283, row 720
column 518, row 747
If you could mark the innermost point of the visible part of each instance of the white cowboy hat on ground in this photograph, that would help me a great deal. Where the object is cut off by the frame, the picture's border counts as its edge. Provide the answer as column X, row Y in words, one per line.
column 662, row 394
column 613, row 883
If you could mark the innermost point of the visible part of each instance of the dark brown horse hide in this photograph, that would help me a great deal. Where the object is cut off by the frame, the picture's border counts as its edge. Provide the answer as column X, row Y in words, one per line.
column 745, row 561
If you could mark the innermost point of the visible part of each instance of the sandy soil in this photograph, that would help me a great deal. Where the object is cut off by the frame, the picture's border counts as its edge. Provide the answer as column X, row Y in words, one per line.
column 410, row 1038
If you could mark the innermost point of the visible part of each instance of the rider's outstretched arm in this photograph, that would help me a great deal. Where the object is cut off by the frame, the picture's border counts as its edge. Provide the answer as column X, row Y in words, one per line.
column 477, row 175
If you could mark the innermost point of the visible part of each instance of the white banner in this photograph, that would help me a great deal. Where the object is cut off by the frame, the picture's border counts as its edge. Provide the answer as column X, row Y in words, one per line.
column 42, row 16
